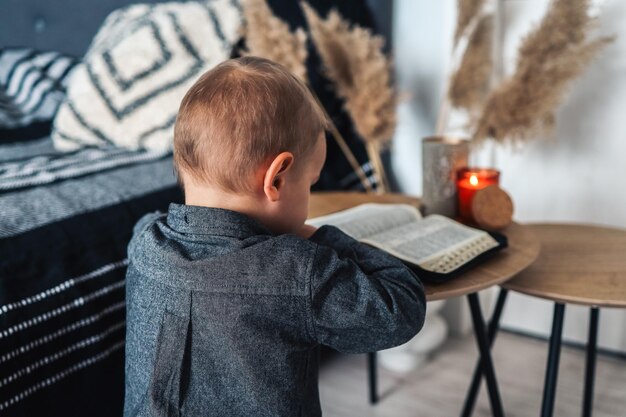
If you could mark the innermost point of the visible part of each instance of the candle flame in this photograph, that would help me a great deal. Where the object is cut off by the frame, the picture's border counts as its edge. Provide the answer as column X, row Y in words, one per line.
column 473, row 180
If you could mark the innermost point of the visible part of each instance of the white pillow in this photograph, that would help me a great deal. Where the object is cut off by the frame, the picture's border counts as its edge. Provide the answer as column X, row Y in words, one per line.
column 32, row 85
column 138, row 68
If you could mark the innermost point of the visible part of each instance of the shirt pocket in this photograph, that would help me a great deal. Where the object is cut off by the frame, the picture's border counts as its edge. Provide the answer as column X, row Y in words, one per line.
column 164, row 396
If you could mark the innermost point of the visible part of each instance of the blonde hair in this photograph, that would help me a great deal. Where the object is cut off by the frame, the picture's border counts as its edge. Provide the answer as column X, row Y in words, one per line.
column 240, row 115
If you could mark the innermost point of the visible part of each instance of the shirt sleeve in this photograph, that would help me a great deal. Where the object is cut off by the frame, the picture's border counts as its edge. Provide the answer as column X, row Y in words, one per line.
column 362, row 299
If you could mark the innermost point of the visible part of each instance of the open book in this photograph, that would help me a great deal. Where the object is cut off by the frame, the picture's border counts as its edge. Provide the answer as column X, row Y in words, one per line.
column 437, row 247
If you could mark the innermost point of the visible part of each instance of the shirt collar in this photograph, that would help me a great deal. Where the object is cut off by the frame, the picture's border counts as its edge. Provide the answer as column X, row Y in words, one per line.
column 213, row 221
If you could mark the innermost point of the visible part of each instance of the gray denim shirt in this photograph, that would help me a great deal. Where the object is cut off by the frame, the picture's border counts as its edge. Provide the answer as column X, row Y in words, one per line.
column 226, row 319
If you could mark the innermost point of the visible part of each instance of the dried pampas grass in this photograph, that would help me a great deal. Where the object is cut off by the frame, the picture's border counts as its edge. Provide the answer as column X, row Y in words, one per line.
column 269, row 37
column 470, row 84
column 354, row 61
column 550, row 57
column 466, row 10
column 471, row 61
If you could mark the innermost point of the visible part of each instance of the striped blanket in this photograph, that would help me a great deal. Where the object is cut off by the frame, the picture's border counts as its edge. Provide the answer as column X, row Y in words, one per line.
column 65, row 221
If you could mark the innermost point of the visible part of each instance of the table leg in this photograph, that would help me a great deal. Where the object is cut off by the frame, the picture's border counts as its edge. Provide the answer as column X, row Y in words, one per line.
column 552, row 369
column 472, row 393
column 485, row 355
column 590, row 370
column 371, row 373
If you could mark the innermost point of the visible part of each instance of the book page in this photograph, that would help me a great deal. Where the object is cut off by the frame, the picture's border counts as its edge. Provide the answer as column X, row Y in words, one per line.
column 435, row 243
column 370, row 219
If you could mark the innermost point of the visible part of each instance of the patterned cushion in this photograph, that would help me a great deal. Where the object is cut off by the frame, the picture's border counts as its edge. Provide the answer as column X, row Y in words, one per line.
column 137, row 70
column 32, row 85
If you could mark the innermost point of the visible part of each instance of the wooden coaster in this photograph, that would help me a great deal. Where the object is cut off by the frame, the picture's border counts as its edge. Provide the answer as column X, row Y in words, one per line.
column 492, row 208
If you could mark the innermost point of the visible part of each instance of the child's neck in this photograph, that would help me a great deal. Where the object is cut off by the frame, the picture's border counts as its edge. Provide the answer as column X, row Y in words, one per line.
column 209, row 196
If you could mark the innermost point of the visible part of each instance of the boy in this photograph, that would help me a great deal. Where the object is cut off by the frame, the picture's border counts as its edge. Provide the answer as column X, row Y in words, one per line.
column 230, row 295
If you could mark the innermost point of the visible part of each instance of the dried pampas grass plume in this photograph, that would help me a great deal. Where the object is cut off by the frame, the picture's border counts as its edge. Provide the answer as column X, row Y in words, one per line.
column 354, row 61
column 470, row 62
column 550, row 57
column 269, row 37
column 470, row 84
column 466, row 10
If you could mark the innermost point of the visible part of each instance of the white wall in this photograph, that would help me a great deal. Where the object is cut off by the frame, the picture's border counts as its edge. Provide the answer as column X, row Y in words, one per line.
column 420, row 56
column 578, row 176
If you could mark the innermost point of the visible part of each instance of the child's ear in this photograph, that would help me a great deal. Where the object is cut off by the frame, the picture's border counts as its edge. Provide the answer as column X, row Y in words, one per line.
column 274, row 178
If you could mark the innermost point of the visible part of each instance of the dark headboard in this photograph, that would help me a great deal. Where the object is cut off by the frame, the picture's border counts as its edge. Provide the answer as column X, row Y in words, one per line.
column 69, row 25
column 54, row 25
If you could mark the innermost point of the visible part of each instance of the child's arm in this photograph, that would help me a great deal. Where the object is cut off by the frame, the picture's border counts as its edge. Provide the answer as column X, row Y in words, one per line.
column 362, row 299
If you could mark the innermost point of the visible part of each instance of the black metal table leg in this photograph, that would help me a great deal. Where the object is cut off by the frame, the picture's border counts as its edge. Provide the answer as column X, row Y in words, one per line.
column 371, row 371
column 472, row 393
column 590, row 371
column 485, row 355
column 549, row 389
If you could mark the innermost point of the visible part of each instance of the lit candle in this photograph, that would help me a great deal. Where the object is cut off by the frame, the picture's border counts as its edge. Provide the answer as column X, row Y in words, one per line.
column 470, row 180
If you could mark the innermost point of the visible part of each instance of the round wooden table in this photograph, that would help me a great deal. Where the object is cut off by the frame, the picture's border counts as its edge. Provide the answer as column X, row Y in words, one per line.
column 522, row 251
column 578, row 264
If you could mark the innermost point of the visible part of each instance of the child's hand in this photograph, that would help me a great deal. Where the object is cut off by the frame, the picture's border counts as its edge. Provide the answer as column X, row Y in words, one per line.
column 306, row 231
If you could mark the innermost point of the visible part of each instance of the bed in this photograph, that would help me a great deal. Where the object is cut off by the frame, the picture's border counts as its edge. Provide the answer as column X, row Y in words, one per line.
column 65, row 221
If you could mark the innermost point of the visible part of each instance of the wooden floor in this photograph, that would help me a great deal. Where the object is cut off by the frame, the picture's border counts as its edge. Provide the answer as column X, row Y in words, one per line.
column 438, row 389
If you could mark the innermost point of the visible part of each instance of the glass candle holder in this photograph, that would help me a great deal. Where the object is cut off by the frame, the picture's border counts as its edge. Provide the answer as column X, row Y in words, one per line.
column 470, row 180
column 442, row 156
